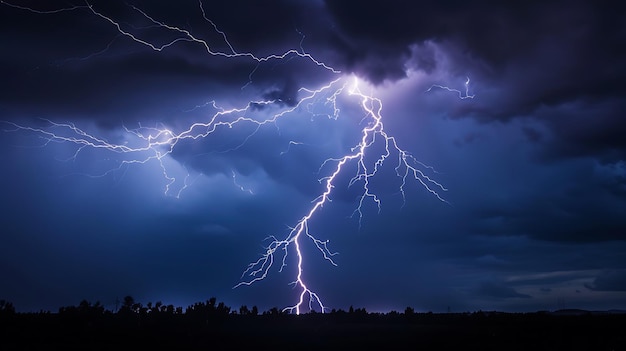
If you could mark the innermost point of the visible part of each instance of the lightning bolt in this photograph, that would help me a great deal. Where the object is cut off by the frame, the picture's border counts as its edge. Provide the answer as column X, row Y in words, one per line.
column 406, row 166
column 153, row 143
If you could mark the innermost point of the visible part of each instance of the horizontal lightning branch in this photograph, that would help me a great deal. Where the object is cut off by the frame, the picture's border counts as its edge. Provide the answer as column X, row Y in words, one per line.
column 462, row 94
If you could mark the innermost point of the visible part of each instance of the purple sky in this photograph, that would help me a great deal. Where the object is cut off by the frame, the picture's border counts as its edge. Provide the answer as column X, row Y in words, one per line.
column 534, row 164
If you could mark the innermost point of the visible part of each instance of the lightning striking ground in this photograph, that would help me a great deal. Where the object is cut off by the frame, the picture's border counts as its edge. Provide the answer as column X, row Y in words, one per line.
column 155, row 143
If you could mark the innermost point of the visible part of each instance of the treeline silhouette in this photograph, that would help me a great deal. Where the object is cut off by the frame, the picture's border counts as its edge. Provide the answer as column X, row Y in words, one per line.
column 213, row 325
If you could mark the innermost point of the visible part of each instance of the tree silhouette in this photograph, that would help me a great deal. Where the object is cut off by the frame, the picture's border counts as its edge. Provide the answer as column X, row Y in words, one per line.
column 156, row 325
column 127, row 305
column 6, row 308
column 208, row 312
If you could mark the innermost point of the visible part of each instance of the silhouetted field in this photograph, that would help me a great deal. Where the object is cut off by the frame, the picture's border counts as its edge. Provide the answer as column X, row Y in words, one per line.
column 212, row 326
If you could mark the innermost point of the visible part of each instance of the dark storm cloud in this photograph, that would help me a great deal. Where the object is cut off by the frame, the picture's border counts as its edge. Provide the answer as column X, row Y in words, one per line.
column 498, row 290
column 384, row 30
column 587, row 128
column 584, row 202
column 612, row 280
column 562, row 60
column 287, row 94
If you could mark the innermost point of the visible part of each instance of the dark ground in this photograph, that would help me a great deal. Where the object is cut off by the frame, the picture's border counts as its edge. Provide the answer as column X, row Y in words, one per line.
column 209, row 326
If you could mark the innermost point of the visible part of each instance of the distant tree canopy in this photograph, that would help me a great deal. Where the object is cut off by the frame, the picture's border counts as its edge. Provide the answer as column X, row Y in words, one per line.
column 208, row 311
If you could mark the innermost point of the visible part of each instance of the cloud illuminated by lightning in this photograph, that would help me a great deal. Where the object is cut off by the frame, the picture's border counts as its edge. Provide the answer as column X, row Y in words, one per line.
column 145, row 144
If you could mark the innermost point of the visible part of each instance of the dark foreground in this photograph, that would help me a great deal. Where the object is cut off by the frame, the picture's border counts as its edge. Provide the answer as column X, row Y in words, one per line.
column 335, row 331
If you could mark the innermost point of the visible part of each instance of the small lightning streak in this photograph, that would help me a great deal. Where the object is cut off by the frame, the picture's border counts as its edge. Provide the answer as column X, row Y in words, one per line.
column 289, row 146
column 43, row 12
column 462, row 95
column 374, row 148
column 241, row 187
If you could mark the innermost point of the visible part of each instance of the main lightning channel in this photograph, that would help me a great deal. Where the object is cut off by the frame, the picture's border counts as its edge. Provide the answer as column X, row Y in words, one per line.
column 407, row 166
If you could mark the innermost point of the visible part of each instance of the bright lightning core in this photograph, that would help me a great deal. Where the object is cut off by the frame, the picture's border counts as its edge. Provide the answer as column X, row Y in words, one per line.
column 373, row 150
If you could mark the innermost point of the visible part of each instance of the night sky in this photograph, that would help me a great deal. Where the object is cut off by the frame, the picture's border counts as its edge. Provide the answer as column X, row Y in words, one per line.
column 534, row 216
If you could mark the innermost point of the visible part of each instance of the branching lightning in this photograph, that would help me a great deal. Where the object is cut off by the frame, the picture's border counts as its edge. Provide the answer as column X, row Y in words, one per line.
column 406, row 166
column 153, row 144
